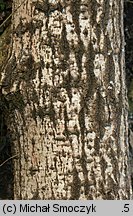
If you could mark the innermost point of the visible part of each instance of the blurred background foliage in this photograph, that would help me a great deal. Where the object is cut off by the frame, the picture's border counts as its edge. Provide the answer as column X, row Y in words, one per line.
column 128, row 28
column 2, row 5
column 5, row 31
column 6, row 171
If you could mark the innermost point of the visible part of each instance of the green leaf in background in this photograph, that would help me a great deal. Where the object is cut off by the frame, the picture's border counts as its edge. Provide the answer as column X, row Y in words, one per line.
column 2, row 5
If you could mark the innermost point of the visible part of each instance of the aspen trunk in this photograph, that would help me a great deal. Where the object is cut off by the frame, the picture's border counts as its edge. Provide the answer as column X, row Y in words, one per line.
column 67, row 100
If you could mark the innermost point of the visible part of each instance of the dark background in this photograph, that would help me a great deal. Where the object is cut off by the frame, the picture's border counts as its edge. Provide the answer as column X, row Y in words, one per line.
column 6, row 170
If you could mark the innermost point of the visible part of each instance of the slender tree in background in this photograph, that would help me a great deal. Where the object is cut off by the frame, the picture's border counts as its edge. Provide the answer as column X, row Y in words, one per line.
column 65, row 85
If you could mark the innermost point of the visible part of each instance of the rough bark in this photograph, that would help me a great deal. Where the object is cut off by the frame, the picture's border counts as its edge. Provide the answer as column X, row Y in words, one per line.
column 67, row 100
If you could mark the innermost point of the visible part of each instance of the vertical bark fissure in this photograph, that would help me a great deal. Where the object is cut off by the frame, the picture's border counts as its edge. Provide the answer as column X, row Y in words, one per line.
column 66, row 64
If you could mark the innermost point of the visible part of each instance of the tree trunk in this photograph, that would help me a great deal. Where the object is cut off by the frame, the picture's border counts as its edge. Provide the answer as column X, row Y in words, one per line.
column 67, row 100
